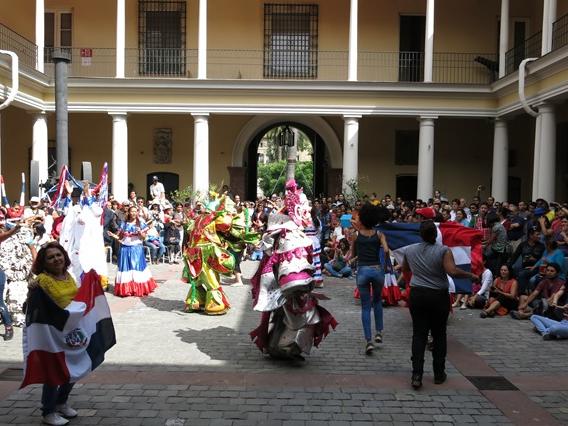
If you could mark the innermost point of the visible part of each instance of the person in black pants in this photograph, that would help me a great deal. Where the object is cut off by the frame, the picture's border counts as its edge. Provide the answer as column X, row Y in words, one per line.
column 430, row 264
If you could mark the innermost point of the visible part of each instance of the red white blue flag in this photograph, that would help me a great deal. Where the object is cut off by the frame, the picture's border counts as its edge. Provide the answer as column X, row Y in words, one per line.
column 64, row 345
column 465, row 244
column 101, row 190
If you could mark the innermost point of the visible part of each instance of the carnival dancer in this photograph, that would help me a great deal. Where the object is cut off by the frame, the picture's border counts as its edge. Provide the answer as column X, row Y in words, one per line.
column 82, row 237
column 134, row 277
column 213, row 233
column 292, row 321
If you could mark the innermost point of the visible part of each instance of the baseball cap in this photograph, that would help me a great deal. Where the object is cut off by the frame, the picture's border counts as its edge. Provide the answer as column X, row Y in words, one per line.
column 154, row 177
column 34, row 200
column 426, row 212
column 539, row 211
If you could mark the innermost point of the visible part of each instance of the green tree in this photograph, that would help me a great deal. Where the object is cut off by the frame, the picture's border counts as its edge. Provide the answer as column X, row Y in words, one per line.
column 271, row 177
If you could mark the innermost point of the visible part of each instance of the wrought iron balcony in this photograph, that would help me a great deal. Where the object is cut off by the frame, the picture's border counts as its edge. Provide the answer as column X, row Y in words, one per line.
column 225, row 64
column 24, row 48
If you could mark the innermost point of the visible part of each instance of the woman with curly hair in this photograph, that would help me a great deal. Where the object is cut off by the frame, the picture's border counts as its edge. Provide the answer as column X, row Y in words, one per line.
column 370, row 274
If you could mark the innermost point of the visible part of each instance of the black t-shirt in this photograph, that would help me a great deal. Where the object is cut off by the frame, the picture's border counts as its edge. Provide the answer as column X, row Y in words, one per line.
column 367, row 249
column 529, row 254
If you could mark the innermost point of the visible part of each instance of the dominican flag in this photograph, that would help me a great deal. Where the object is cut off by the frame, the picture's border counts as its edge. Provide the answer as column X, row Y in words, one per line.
column 464, row 242
column 59, row 189
column 64, row 345
column 101, row 190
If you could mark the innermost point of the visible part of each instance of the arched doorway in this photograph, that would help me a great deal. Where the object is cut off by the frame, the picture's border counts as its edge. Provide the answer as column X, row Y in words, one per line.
column 320, row 159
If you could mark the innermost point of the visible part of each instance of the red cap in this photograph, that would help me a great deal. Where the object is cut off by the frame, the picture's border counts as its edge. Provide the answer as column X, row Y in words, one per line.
column 426, row 212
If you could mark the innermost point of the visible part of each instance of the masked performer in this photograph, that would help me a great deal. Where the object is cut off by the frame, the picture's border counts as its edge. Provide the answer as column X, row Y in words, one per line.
column 213, row 233
column 292, row 320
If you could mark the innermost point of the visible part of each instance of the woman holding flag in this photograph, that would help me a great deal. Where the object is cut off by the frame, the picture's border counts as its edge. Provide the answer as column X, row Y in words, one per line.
column 429, row 303
column 50, row 268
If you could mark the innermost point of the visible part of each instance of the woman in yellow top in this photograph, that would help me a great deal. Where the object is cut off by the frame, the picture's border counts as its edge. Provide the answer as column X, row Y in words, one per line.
column 50, row 268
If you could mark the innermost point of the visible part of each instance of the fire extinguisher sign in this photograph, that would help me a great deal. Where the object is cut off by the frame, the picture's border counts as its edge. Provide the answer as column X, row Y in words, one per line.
column 86, row 56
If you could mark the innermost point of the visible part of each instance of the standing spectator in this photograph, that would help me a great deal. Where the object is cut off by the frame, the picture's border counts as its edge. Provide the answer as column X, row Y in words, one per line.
column 561, row 236
column 496, row 244
column 34, row 210
column 370, row 274
column 157, row 191
column 4, row 314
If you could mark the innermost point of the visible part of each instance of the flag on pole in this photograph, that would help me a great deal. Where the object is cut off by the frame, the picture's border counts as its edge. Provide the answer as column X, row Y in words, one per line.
column 465, row 244
column 5, row 201
column 65, row 345
column 23, row 191
column 60, row 187
column 101, row 190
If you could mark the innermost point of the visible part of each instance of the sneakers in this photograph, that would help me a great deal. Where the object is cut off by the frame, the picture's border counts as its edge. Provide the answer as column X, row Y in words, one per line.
column 66, row 411
column 416, row 381
column 369, row 348
column 515, row 315
column 546, row 336
column 9, row 334
column 54, row 419
column 440, row 378
column 379, row 338
column 463, row 306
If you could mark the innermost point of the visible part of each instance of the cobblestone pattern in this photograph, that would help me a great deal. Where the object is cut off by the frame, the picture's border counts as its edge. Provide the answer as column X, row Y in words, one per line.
column 556, row 403
column 209, row 405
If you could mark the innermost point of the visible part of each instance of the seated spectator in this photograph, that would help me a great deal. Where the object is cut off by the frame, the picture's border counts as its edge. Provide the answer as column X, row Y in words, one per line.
column 526, row 255
column 152, row 241
column 339, row 266
column 544, row 296
column 171, row 241
column 503, row 294
column 561, row 236
column 551, row 329
column 481, row 290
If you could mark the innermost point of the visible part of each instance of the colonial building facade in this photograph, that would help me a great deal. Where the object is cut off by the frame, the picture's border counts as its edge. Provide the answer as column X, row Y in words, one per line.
column 401, row 96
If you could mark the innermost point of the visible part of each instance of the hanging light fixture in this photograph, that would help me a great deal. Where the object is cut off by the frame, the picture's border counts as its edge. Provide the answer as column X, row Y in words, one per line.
column 286, row 137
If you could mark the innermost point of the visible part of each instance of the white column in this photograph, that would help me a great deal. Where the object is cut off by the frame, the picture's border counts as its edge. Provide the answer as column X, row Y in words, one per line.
column 40, row 144
column 500, row 175
column 202, row 41
column 503, row 37
column 429, row 42
column 547, row 160
column 119, row 172
column 425, row 187
column 40, row 33
column 201, row 153
column 350, row 150
column 353, row 40
column 120, row 37
column 536, row 156
column 548, row 18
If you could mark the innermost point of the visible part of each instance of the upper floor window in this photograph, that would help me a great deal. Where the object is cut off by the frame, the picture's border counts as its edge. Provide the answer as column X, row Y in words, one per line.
column 290, row 40
column 161, row 37
column 58, row 31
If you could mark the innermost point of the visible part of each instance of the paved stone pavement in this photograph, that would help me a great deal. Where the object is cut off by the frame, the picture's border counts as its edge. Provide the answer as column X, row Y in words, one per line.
column 174, row 368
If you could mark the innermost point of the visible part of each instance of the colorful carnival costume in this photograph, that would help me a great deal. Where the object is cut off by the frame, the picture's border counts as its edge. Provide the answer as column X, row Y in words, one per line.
column 212, row 235
column 16, row 262
column 82, row 237
column 133, row 278
column 292, row 321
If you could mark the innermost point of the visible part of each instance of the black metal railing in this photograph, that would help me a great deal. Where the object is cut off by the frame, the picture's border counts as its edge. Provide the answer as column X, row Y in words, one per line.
column 530, row 48
column 560, row 32
column 464, row 68
column 24, row 48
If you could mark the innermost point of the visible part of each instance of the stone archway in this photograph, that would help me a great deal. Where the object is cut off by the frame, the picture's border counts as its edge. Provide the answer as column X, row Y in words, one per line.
column 249, row 135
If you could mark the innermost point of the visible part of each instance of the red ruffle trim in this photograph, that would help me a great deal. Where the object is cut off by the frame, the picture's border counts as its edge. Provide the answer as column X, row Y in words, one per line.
column 391, row 295
column 135, row 289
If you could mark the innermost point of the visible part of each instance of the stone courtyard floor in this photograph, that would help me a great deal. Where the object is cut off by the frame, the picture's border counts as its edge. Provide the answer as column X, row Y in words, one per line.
column 173, row 368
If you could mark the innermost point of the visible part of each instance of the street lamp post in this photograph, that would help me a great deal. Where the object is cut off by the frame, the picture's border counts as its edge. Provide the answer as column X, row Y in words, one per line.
column 286, row 138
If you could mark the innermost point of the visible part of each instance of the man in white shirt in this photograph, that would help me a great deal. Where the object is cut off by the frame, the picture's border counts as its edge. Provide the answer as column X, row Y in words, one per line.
column 34, row 210
column 157, row 191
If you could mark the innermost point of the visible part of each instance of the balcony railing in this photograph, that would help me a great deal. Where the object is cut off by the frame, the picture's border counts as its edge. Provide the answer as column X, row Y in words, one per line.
column 24, row 48
column 450, row 68
column 530, row 48
column 560, row 32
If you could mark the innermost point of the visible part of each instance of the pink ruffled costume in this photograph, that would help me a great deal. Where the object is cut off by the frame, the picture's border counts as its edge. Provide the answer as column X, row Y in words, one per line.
column 292, row 321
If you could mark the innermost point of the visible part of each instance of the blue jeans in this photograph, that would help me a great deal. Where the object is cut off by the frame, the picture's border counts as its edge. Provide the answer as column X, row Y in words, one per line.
column 52, row 396
column 342, row 273
column 558, row 329
column 6, row 318
column 371, row 277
